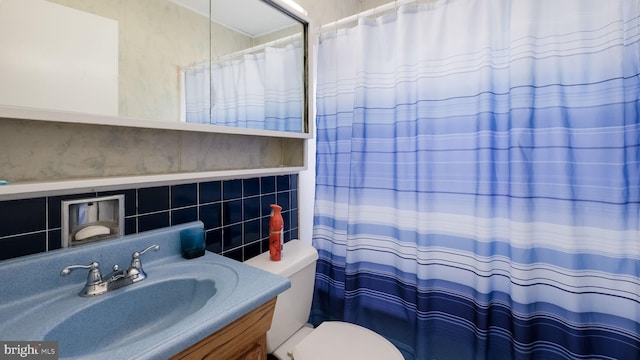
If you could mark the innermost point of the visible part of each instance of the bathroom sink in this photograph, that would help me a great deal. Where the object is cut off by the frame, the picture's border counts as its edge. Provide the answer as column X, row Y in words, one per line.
column 179, row 303
column 142, row 311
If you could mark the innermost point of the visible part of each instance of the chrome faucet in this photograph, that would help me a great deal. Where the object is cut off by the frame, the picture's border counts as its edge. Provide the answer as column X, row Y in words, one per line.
column 96, row 283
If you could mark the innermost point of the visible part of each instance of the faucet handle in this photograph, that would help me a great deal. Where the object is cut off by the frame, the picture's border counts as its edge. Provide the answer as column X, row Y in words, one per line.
column 152, row 247
column 94, row 284
column 135, row 270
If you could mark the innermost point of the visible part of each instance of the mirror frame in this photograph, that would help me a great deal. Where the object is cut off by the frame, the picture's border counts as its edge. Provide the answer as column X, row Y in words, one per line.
column 15, row 112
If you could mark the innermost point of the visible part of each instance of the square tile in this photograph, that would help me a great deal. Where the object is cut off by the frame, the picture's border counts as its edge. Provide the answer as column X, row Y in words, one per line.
column 264, row 227
column 214, row 241
column 22, row 245
column 282, row 199
column 250, row 187
column 210, row 192
column 22, row 216
column 184, row 215
column 130, row 225
column 265, row 203
column 184, row 195
column 153, row 221
column 231, row 189
column 293, row 199
column 235, row 254
column 267, row 184
column 282, row 182
column 251, row 250
column 251, row 231
column 232, row 212
column 153, row 199
column 232, row 237
column 54, row 239
column 293, row 218
column 251, row 208
column 211, row 215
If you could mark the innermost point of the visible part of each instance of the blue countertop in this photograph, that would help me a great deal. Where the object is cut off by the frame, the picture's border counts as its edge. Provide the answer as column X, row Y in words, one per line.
column 35, row 299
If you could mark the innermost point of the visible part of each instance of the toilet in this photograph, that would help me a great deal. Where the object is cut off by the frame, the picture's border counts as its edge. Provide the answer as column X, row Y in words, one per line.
column 291, row 337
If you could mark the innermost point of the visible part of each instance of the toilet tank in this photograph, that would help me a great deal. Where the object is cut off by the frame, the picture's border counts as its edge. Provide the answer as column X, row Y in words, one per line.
column 298, row 264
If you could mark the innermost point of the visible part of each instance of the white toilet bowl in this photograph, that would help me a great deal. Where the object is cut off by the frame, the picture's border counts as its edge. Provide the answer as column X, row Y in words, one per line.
column 340, row 340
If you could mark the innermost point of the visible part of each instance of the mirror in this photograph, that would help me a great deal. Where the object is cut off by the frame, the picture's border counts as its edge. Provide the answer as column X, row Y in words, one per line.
column 161, row 60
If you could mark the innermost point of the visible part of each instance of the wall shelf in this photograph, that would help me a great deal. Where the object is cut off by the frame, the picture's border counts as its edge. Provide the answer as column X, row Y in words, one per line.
column 11, row 112
column 24, row 190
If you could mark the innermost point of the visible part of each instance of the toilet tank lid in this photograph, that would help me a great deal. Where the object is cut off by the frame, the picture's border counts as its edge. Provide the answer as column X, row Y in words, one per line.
column 296, row 255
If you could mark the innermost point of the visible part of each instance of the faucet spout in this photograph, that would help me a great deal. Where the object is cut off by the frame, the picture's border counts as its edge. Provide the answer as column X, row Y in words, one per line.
column 117, row 279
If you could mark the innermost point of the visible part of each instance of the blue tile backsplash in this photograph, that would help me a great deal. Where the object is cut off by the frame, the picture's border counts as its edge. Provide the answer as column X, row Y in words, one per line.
column 235, row 214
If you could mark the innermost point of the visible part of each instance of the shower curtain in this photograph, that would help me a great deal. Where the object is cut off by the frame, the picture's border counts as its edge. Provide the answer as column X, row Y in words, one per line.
column 478, row 179
column 254, row 91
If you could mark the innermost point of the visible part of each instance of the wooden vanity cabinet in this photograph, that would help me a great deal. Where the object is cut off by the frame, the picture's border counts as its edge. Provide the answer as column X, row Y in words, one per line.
column 243, row 339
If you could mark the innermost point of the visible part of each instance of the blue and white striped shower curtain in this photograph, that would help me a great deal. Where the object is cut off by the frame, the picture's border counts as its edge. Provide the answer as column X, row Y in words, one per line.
column 257, row 91
column 478, row 179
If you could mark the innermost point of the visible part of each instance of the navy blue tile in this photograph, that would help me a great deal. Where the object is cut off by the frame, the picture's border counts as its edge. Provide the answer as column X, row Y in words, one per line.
column 294, row 181
column 23, row 245
column 214, row 241
column 153, row 221
column 293, row 200
column 251, row 250
column 287, row 220
column 232, row 211
column 283, row 200
column 55, row 207
column 294, row 234
column 251, row 208
column 130, row 225
column 234, row 254
column 265, row 203
column 264, row 228
column 250, row 187
column 130, row 202
column 264, row 244
column 282, row 182
column 153, row 199
column 211, row 215
column 54, row 239
column 232, row 236
column 251, row 231
column 268, row 184
column 184, row 195
column 210, row 192
column 184, row 215
column 22, row 216
column 294, row 218
column 231, row 189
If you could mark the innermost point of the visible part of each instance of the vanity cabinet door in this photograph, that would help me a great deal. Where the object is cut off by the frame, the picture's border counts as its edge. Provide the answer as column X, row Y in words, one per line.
column 257, row 353
column 243, row 339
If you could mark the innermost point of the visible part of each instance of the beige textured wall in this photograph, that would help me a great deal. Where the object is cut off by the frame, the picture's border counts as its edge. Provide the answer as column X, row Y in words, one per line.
column 43, row 151
column 48, row 151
